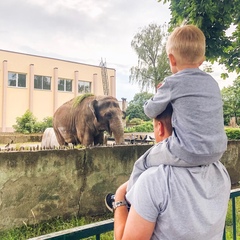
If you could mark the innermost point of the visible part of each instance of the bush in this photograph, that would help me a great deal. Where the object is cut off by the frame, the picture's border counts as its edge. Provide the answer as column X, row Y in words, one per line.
column 233, row 133
column 29, row 124
column 136, row 121
column 46, row 123
column 144, row 127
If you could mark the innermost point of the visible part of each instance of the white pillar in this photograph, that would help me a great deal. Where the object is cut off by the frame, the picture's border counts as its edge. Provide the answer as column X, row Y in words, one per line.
column 55, row 89
column 112, row 86
column 31, row 86
column 4, row 95
column 76, row 77
column 95, row 85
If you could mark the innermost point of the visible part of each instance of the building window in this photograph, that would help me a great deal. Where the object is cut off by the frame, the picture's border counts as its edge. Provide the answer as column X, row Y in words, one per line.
column 84, row 87
column 42, row 82
column 16, row 79
column 64, row 85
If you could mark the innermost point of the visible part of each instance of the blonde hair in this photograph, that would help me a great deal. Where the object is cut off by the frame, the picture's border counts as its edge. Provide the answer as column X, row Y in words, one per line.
column 187, row 44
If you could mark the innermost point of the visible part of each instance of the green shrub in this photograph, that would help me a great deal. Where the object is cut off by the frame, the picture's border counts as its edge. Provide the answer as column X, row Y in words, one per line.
column 25, row 124
column 233, row 133
column 136, row 121
column 28, row 124
column 144, row 127
column 46, row 123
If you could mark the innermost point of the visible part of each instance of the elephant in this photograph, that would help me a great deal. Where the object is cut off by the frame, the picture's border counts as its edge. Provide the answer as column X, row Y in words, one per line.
column 83, row 120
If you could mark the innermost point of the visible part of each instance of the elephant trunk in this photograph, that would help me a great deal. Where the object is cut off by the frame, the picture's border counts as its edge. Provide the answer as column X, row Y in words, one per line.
column 118, row 131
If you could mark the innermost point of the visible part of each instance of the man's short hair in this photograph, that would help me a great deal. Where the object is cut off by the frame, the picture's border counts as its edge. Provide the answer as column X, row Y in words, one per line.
column 166, row 117
column 167, row 113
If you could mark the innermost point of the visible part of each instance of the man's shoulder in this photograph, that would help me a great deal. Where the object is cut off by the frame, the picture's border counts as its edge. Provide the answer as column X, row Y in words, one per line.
column 165, row 172
column 158, row 174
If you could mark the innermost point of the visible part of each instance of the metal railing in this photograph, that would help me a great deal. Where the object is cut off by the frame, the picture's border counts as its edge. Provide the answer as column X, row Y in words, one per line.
column 89, row 230
column 96, row 229
column 234, row 194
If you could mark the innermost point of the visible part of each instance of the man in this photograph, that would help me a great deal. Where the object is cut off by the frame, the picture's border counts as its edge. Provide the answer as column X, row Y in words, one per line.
column 167, row 202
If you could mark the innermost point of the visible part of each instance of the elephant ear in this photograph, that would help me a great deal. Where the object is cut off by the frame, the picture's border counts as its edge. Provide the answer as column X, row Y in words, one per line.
column 93, row 105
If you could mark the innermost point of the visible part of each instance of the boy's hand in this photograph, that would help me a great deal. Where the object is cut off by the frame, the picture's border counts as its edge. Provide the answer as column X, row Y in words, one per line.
column 159, row 85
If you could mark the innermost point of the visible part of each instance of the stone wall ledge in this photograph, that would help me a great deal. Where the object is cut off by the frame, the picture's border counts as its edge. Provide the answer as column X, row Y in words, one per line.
column 39, row 185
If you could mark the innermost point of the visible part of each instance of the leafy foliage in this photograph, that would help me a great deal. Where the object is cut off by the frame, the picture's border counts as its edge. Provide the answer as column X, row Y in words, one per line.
column 231, row 101
column 136, row 121
column 153, row 67
column 80, row 98
column 233, row 133
column 29, row 124
column 135, row 107
column 214, row 18
column 144, row 127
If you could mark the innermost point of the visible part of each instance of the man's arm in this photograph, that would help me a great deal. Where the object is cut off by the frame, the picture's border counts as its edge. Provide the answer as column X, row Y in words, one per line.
column 130, row 226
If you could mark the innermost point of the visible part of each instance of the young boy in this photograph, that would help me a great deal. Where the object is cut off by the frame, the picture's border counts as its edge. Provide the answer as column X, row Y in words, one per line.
column 198, row 136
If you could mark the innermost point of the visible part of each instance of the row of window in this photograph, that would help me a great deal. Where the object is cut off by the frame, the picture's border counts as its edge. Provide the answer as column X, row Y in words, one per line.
column 44, row 83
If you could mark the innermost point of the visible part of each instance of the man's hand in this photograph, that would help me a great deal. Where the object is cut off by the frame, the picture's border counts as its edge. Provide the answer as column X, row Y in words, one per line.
column 121, row 192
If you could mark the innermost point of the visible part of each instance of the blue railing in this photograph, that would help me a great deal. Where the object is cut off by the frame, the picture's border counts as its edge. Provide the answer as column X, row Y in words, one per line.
column 96, row 229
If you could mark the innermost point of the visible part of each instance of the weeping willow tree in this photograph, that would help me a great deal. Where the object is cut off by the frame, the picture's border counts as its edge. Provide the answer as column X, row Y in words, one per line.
column 152, row 67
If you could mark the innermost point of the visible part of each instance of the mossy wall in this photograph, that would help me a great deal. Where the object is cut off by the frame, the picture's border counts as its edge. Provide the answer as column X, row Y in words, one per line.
column 40, row 185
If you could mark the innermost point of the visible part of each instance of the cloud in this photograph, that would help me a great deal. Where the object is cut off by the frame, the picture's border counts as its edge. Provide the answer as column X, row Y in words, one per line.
column 80, row 30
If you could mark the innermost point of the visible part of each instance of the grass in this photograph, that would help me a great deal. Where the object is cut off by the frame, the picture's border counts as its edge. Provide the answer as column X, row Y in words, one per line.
column 229, row 221
column 57, row 224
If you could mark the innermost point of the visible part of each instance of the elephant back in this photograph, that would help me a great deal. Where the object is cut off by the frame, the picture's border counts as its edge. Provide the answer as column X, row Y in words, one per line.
column 75, row 102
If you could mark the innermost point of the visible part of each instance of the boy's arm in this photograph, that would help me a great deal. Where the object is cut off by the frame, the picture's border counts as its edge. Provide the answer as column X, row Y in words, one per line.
column 158, row 103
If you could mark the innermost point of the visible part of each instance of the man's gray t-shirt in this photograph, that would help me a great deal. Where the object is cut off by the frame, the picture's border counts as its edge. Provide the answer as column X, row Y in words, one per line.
column 186, row 203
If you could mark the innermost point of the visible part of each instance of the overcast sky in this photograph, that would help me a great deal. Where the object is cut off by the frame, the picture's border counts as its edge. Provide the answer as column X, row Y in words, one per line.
column 84, row 31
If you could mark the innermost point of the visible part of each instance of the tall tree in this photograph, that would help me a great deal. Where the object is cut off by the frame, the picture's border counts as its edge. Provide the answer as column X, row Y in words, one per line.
column 153, row 67
column 135, row 107
column 214, row 18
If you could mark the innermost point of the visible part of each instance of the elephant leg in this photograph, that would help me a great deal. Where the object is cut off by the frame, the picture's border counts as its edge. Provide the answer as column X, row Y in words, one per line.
column 59, row 137
column 99, row 139
column 64, row 136
column 85, row 138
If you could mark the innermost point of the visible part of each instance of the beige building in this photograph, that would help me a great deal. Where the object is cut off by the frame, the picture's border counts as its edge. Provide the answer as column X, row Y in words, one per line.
column 42, row 84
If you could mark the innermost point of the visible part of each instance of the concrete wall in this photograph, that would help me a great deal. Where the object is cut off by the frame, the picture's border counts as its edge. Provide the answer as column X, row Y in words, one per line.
column 18, row 138
column 231, row 160
column 39, row 185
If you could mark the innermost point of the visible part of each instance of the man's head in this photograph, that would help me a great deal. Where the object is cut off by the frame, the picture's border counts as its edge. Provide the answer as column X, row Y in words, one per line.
column 187, row 45
column 162, row 124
